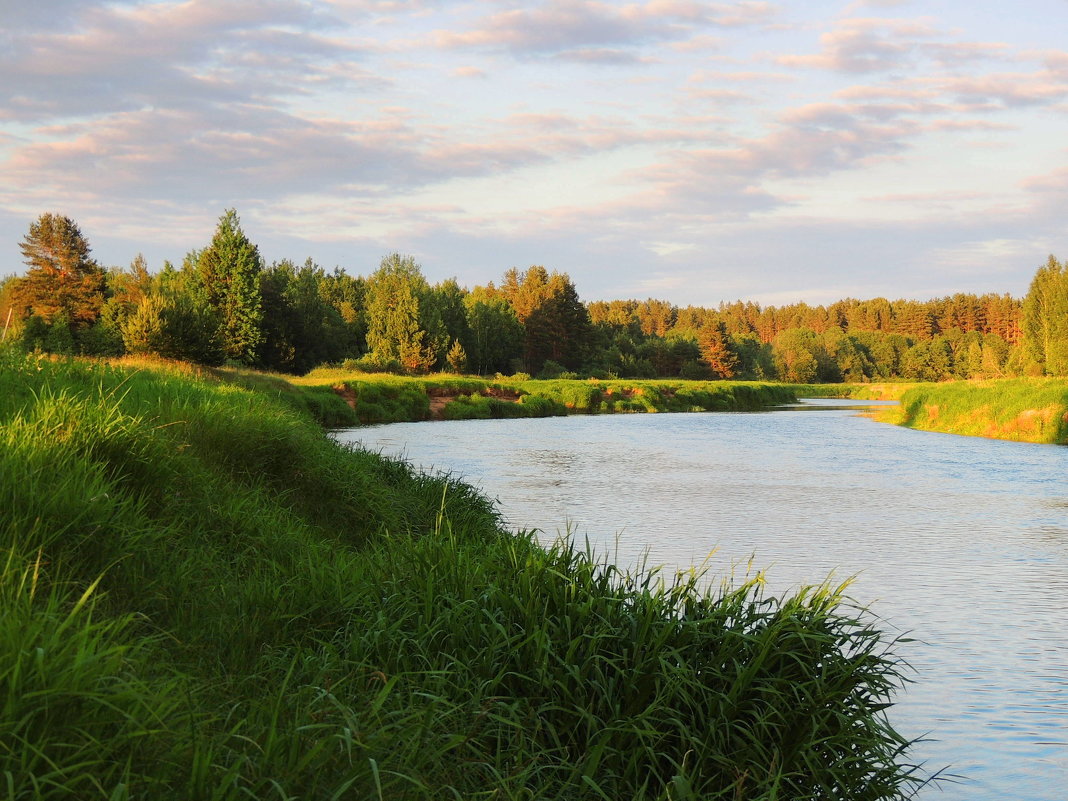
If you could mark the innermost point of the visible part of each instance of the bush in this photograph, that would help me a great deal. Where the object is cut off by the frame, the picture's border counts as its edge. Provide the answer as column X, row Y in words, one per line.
column 373, row 364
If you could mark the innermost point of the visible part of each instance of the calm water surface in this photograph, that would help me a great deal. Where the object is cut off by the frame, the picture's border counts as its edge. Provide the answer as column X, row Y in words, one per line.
column 961, row 542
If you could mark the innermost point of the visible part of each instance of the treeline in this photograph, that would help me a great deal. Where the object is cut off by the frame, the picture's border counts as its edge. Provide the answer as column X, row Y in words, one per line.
column 225, row 304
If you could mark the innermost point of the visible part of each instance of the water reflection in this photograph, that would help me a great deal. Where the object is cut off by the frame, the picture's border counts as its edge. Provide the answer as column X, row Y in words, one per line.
column 960, row 541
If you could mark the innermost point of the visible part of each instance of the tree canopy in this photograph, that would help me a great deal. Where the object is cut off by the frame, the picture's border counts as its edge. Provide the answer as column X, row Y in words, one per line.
column 224, row 302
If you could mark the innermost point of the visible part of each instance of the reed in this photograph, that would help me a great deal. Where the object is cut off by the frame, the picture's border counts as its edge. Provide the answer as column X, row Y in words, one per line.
column 204, row 597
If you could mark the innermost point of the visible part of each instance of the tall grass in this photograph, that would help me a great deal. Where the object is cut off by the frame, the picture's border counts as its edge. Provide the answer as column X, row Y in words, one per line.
column 1023, row 409
column 203, row 597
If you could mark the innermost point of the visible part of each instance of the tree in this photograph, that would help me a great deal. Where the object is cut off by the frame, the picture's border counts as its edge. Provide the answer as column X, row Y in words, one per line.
column 63, row 281
column 396, row 310
column 347, row 295
column 301, row 329
column 717, row 349
column 229, row 269
column 174, row 325
column 526, row 291
column 656, row 317
column 557, row 329
column 448, row 300
column 457, row 357
column 1045, row 318
column 496, row 333
column 795, row 356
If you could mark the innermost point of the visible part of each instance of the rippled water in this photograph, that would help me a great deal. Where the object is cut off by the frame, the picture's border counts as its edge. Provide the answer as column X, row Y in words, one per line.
column 962, row 542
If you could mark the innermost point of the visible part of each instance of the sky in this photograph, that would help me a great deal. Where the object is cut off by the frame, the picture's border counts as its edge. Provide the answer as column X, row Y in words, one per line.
column 696, row 152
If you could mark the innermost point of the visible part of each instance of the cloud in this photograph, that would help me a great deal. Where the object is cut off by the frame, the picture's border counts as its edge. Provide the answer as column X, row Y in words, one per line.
column 863, row 45
column 585, row 30
column 469, row 72
column 247, row 153
column 238, row 154
column 171, row 54
column 989, row 92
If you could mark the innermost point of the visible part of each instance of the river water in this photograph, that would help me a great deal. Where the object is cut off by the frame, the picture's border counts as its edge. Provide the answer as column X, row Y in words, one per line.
column 960, row 542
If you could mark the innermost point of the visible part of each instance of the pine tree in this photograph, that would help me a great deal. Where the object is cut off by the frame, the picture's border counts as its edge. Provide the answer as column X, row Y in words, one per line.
column 457, row 357
column 63, row 281
column 717, row 350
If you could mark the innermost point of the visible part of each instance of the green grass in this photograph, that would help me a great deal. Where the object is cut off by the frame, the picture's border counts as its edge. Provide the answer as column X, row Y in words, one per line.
column 1023, row 409
column 385, row 398
column 204, row 597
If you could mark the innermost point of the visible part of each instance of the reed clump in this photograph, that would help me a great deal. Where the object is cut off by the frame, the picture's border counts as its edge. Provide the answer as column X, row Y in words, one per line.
column 204, row 597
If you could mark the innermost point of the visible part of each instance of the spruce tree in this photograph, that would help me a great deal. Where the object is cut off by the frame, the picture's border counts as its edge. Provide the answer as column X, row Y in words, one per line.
column 229, row 270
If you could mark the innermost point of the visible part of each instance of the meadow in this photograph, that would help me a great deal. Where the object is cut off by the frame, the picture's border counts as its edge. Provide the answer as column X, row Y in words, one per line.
column 205, row 597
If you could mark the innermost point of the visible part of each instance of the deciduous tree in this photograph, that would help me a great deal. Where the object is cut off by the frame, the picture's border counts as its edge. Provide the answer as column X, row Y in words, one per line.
column 1045, row 318
column 396, row 295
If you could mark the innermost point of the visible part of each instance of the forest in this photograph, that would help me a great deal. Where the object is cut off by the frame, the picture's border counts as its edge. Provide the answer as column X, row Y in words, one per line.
column 225, row 305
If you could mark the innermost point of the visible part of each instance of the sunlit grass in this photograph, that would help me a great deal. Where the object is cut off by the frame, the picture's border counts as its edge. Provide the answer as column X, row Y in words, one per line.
column 204, row 597
column 383, row 398
column 1024, row 409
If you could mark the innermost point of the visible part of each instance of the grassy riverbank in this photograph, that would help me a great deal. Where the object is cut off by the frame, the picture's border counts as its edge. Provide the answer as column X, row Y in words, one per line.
column 206, row 598
column 381, row 398
column 1023, row 409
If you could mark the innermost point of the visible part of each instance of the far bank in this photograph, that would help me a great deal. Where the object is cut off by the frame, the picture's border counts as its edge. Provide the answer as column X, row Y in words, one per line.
column 1020, row 409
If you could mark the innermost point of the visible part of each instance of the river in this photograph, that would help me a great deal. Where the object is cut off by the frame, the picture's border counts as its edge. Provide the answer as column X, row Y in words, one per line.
column 962, row 543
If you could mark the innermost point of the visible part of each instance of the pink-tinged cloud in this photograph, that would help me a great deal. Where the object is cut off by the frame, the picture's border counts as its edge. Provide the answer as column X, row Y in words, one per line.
column 585, row 30
column 170, row 54
column 469, row 72
column 862, row 45
column 1008, row 89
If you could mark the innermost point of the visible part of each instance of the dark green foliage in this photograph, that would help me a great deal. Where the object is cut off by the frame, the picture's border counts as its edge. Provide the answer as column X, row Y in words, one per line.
column 292, row 319
column 174, row 326
column 557, row 329
column 347, row 295
column 754, row 358
column 496, row 334
column 449, row 301
column 300, row 328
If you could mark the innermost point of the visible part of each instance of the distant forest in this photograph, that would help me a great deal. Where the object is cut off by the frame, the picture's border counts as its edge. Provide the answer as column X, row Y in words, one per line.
column 225, row 305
